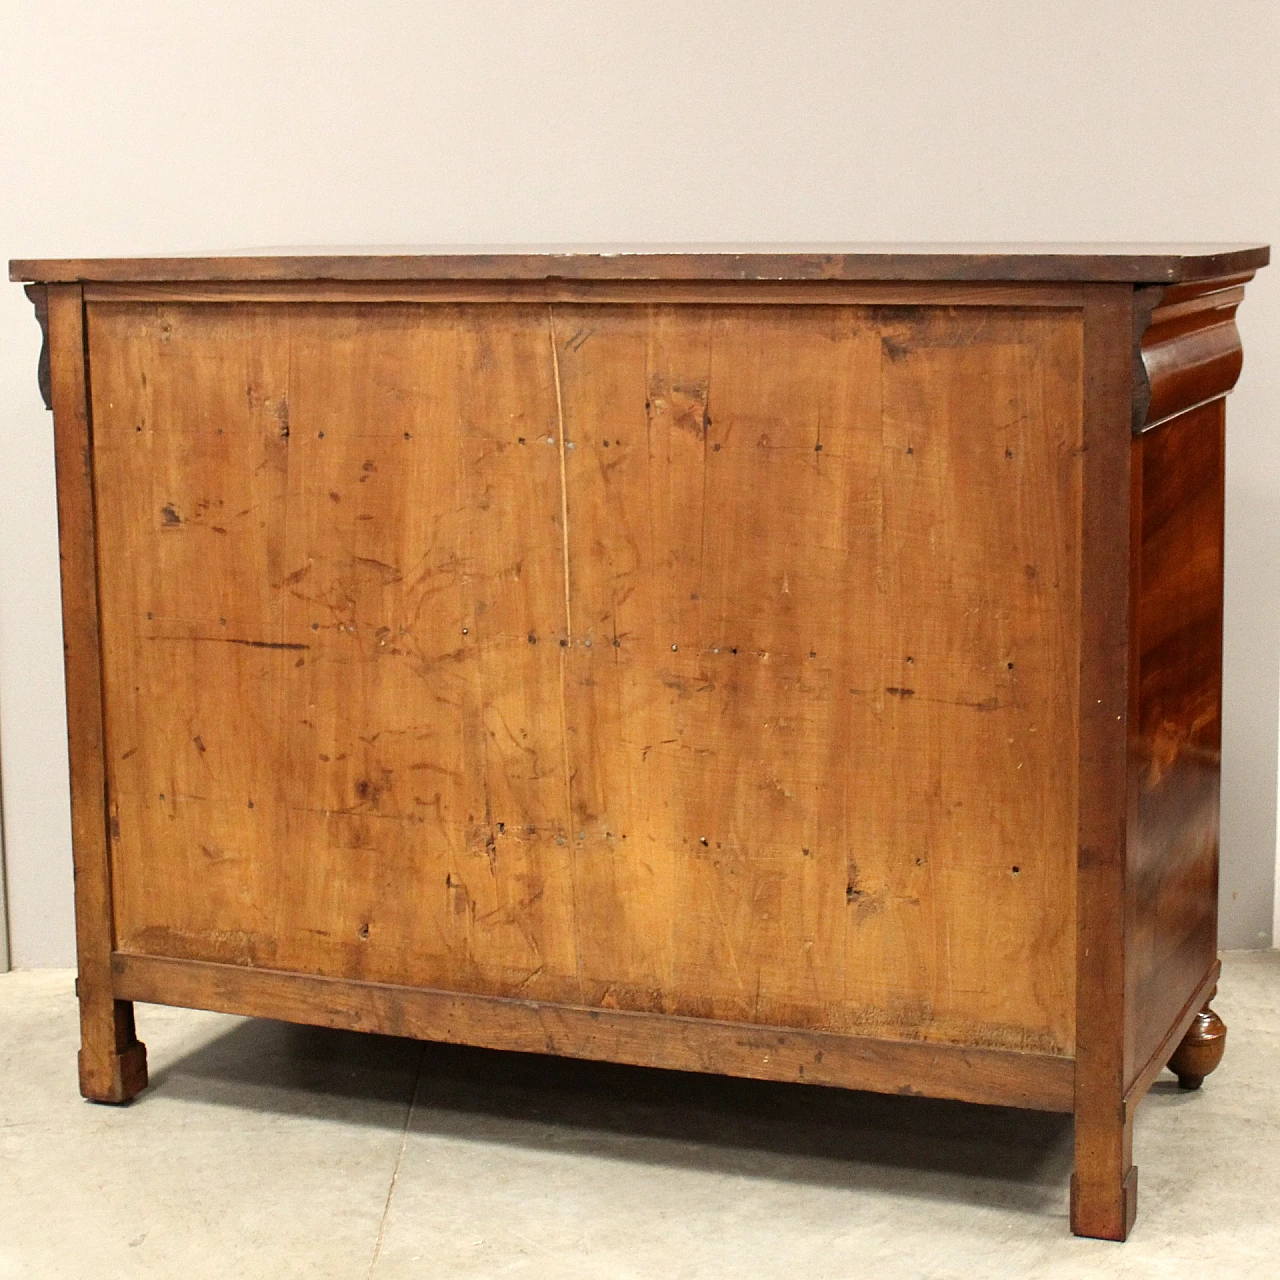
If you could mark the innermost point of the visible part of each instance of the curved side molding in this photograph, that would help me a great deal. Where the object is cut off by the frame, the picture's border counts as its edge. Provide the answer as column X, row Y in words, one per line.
column 39, row 296
column 1187, row 347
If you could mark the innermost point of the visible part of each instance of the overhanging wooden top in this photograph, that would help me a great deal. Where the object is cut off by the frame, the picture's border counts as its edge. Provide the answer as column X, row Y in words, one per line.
column 1125, row 263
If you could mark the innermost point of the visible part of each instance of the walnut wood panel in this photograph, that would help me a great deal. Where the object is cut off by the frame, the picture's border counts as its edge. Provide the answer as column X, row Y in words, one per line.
column 1175, row 727
column 699, row 756
column 1135, row 263
column 1041, row 1081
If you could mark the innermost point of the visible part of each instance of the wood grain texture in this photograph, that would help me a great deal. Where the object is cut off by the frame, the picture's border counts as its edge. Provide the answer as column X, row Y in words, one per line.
column 641, row 292
column 1134, row 263
column 697, row 756
column 113, row 1064
column 1104, row 1185
column 1176, row 718
column 1039, row 1081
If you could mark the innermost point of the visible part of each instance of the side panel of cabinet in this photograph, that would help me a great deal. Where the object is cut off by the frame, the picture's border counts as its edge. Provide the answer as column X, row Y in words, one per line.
column 1175, row 720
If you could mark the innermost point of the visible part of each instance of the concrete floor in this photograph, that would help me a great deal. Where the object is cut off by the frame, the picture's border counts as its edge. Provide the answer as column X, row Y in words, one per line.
column 275, row 1151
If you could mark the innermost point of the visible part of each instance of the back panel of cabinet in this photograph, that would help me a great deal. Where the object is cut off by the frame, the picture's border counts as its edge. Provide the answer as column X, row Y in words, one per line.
column 712, row 659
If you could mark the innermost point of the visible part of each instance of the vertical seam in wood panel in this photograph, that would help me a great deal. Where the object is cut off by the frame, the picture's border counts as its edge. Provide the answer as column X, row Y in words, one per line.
column 702, row 527
column 279, row 798
column 564, row 491
column 571, row 844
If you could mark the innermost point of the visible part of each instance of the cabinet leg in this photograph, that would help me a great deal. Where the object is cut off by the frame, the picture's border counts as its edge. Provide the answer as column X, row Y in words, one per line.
column 113, row 1061
column 1104, row 1186
column 1201, row 1049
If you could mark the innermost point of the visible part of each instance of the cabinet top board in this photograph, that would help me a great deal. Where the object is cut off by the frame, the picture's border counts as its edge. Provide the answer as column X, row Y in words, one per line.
column 1119, row 263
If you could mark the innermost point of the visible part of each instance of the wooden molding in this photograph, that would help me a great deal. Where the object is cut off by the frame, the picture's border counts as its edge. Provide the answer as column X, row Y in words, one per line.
column 1040, row 263
column 1001, row 1077
column 39, row 296
column 1186, row 347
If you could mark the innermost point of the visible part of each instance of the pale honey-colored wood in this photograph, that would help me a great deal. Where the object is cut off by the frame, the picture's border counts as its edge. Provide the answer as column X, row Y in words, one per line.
column 112, row 1061
column 698, row 756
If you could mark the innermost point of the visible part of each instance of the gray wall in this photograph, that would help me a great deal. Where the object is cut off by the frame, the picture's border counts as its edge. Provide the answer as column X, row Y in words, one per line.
column 136, row 127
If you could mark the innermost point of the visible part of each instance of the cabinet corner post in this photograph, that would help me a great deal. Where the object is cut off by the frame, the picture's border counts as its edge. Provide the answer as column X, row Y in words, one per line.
column 1104, row 1184
column 113, row 1063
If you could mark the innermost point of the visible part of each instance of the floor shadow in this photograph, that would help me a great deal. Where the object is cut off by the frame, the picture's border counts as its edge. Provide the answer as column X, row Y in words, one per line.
column 800, row 1133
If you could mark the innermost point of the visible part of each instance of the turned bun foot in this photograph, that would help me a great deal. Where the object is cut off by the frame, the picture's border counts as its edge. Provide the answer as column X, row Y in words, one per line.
column 1201, row 1048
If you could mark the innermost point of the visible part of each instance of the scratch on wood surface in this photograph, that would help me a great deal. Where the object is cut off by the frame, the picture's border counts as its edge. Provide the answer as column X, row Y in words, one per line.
column 252, row 644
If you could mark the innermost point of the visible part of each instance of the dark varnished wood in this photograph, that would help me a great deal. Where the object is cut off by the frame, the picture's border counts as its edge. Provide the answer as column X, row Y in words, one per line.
column 1200, row 1051
column 113, row 1063
column 1160, row 1057
column 1188, row 347
column 1132, row 263
column 557, row 937
column 1039, row 1081
column 1175, row 722
column 1104, row 1185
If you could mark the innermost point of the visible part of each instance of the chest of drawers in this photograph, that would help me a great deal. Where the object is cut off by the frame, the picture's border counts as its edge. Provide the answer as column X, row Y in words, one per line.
column 801, row 664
